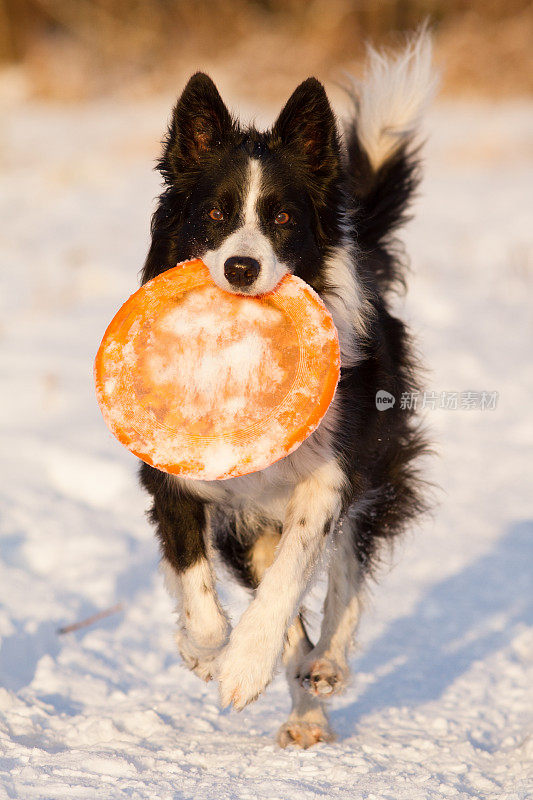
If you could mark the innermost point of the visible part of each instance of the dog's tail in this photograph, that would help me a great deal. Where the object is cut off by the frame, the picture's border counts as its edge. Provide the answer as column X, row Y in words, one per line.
column 383, row 150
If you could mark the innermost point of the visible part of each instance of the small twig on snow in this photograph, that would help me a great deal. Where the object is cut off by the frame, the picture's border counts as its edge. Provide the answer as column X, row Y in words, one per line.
column 84, row 623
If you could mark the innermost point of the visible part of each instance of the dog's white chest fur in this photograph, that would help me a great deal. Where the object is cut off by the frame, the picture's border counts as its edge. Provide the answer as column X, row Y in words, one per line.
column 266, row 492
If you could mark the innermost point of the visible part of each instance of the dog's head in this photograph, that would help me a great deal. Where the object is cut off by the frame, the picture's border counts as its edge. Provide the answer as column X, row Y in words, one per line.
column 254, row 205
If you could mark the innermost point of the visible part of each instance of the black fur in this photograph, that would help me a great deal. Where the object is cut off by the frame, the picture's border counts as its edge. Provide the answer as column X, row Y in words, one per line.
column 179, row 518
column 387, row 443
column 235, row 536
column 380, row 205
column 204, row 165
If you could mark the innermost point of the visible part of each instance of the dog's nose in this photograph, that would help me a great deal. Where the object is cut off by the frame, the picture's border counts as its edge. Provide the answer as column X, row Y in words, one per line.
column 241, row 271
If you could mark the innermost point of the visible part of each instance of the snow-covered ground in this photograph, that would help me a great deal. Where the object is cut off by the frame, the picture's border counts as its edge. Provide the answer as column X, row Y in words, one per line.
column 441, row 704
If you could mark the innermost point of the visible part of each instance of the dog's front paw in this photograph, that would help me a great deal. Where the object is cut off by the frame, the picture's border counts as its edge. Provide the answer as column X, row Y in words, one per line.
column 245, row 668
column 202, row 664
column 200, row 658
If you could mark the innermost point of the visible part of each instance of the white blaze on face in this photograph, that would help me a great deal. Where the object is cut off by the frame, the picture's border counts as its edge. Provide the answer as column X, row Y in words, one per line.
column 253, row 190
column 248, row 240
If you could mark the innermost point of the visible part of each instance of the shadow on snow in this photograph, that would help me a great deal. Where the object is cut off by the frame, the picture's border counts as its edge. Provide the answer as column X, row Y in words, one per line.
column 459, row 621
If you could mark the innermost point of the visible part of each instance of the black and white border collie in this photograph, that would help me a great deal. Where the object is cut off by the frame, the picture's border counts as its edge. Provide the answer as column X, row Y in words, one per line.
column 323, row 204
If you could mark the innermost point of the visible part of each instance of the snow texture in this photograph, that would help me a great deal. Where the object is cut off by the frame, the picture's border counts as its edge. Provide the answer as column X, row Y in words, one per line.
column 441, row 701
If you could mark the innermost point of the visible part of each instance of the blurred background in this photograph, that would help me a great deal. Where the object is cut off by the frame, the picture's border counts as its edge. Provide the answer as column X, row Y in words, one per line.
column 74, row 49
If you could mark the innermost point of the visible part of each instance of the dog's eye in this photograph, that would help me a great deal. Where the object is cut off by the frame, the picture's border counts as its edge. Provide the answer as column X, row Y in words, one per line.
column 281, row 218
column 216, row 214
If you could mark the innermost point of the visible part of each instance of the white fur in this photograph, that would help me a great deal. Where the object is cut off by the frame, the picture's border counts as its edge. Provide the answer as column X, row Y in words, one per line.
column 203, row 626
column 252, row 194
column 308, row 722
column 250, row 241
column 247, row 663
column 346, row 299
column 393, row 97
column 324, row 669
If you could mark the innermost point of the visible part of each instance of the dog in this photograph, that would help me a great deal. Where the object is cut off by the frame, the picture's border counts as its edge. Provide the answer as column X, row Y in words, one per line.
column 324, row 204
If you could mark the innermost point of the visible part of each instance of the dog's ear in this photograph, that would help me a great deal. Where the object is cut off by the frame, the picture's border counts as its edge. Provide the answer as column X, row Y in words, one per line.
column 200, row 123
column 307, row 125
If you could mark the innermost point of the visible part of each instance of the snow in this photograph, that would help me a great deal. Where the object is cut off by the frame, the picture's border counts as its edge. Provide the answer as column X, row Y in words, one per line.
column 441, row 702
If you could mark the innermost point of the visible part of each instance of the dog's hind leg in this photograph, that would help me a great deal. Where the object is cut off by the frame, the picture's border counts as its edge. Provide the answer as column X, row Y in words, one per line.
column 324, row 669
column 308, row 722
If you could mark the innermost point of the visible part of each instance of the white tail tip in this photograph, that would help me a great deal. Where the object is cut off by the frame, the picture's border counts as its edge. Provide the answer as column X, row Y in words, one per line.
column 393, row 97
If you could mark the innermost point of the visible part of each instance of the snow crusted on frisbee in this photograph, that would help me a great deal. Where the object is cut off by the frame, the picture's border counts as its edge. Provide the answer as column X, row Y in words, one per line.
column 220, row 370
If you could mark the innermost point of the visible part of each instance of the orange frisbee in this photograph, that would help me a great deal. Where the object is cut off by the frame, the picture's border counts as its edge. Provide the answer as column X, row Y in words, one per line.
column 206, row 384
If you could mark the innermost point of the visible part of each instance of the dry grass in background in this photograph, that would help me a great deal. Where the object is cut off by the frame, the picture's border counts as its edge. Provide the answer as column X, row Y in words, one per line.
column 75, row 49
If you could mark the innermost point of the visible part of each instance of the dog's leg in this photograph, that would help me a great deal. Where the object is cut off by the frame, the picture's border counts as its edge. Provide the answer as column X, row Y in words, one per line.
column 308, row 722
column 324, row 669
column 203, row 628
column 182, row 527
column 247, row 663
